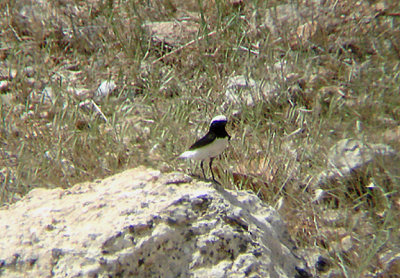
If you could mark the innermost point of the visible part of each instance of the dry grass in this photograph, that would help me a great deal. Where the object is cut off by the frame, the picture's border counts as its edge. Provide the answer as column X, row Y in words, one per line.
column 344, row 83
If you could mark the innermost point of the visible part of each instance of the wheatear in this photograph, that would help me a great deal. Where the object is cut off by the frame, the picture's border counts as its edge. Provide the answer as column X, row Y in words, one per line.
column 211, row 145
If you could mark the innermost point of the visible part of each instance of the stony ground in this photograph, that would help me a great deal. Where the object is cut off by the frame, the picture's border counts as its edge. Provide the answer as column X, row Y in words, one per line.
column 311, row 90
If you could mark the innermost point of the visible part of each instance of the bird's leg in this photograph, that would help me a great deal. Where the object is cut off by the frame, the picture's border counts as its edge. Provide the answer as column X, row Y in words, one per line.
column 212, row 173
column 202, row 169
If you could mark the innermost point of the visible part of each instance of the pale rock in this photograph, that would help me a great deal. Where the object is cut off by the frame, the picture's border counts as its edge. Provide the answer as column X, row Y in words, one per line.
column 282, row 17
column 240, row 90
column 350, row 155
column 29, row 71
column 286, row 19
column 31, row 81
column 346, row 243
column 80, row 93
column 27, row 115
column 105, row 89
column 141, row 223
column 68, row 167
column 306, row 31
column 392, row 134
column 172, row 33
column 45, row 97
column 7, row 73
column 390, row 259
column 4, row 86
column 314, row 258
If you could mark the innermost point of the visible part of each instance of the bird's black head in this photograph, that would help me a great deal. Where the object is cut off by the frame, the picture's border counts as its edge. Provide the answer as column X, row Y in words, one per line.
column 217, row 126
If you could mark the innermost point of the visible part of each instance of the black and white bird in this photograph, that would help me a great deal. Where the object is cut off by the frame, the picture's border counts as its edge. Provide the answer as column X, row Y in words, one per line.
column 211, row 145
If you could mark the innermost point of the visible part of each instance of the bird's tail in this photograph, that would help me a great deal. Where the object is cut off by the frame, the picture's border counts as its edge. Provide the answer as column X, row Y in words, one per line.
column 187, row 154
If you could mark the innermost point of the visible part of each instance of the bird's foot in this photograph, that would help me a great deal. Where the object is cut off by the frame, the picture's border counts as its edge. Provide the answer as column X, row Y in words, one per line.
column 217, row 182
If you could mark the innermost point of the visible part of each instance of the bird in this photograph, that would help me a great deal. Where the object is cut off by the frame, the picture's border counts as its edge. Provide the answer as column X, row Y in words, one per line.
column 211, row 145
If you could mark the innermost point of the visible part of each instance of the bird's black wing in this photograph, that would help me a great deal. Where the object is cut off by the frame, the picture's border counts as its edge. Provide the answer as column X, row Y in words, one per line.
column 207, row 139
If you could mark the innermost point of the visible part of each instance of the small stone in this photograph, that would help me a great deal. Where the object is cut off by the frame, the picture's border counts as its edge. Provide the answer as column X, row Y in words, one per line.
column 307, row 30
column 303, row 34
column 29, row 71
column 240, row 89
column 31, row 81
column 46, row 96
column 68, row 167
column 390, row 261
column 319, row 194
column 171, row 33
column 7, row 73
column 347, row 243
column 105, row 89
column 80, row 93
column 392, row 134
column 4, row 86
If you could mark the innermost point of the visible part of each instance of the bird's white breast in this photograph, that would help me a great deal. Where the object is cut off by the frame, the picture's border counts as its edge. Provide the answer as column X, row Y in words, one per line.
column 211, row 150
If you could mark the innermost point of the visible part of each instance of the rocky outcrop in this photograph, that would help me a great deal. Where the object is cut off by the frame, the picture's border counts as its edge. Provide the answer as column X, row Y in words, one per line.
column 142, row 223
column 348, row 156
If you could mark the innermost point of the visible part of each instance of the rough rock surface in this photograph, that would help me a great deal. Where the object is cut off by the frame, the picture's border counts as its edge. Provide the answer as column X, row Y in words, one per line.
column 142, row 223
column 288, row 17
column 172, row 33
column 240, row 90
column 350, row 155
